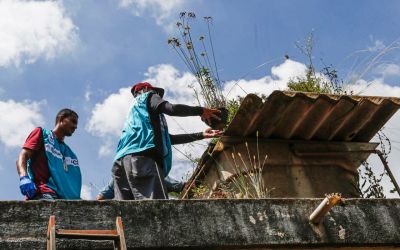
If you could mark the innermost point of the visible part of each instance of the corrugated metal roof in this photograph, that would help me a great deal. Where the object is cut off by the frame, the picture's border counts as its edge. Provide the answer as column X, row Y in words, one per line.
column 301, row 116
column 313, row 116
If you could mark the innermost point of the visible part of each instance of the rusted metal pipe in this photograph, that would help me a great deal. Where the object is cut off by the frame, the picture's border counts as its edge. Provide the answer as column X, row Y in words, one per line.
column 324, row 207
column 386, row 166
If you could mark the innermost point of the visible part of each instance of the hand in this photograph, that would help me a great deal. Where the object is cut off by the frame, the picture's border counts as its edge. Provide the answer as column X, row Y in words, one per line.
column 211, row 133
column 100, row 197
column 210, row 113
column 27, row 187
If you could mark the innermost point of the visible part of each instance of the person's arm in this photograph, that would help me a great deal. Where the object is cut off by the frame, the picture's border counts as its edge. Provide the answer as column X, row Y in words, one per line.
column 159, row 105
column 26, row 185
column 23, row 158
column 107, row 193
column 186, row 138
column 180, row 109
column 31, row 145
column 173, row 185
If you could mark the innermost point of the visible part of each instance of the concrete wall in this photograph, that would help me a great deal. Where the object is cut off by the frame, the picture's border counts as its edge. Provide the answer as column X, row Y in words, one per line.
column 292, row 169
column 207, row 224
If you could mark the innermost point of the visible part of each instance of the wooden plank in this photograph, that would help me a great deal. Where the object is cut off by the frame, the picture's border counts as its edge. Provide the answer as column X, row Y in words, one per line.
column 87, row 234
column 116, row 235
column 120, row 230
column 51, row 233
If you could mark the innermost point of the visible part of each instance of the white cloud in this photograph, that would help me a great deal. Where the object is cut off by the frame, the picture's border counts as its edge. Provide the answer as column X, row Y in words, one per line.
column 242, row 87
column 160, row 10
column 288, row 70
column 176, row 84
column 389, row 70
column 108, row 147
column 88, row 93
column 33, row 29
column 108, row 117
column 17, row 119
column 375, row 87
column 86, row 193
column 281, row 74
column 378, row 45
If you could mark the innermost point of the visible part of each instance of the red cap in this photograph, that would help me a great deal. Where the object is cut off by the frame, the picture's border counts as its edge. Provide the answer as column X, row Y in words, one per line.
column 141, row 85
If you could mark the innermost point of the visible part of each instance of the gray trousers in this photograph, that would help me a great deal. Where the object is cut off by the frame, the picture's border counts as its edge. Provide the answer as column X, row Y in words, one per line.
column 137, row 178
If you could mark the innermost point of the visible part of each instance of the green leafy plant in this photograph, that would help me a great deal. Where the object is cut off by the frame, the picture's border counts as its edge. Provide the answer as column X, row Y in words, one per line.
column 327, row 82
column 202, row 64
column 233, row 106
column 309, row 83
column 199, row 191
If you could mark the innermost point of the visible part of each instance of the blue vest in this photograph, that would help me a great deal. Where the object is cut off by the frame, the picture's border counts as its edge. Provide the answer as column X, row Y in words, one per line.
column 65, row 175
column 138, row 133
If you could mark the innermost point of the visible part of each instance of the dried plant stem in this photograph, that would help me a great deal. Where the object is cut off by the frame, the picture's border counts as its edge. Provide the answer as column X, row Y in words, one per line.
column 205, row 73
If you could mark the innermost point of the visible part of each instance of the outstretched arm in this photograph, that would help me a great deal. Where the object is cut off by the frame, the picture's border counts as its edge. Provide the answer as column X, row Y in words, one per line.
column 186, row 138
column 158, row 105
column 212, row 133
column 179, row 109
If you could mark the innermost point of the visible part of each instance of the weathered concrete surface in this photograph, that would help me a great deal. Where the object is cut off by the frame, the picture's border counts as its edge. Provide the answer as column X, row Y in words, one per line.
column 293, row 169
column 207, row 224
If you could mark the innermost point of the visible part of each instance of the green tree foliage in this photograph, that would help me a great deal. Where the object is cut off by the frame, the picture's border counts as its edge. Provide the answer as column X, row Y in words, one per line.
column 310, row 83
column 326, row 83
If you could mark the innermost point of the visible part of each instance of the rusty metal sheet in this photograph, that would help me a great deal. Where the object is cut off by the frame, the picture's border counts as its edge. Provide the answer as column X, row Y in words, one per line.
column 297, row 117
column 377, row 120
column 271, row 114
column 246, row 114
column 313, row 119
column 313, row 116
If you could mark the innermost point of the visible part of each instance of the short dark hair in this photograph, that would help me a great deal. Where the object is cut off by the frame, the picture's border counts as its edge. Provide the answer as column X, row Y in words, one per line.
column 63, row 113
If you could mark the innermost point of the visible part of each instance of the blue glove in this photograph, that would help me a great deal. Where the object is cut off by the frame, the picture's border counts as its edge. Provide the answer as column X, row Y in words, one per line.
column 27, row 187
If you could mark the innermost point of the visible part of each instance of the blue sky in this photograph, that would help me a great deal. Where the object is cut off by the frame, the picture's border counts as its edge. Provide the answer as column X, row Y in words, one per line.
column 86, row 54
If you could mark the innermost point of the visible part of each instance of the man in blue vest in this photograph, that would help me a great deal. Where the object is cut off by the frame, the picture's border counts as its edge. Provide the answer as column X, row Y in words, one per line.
column 143, row 156
column 47, row 167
